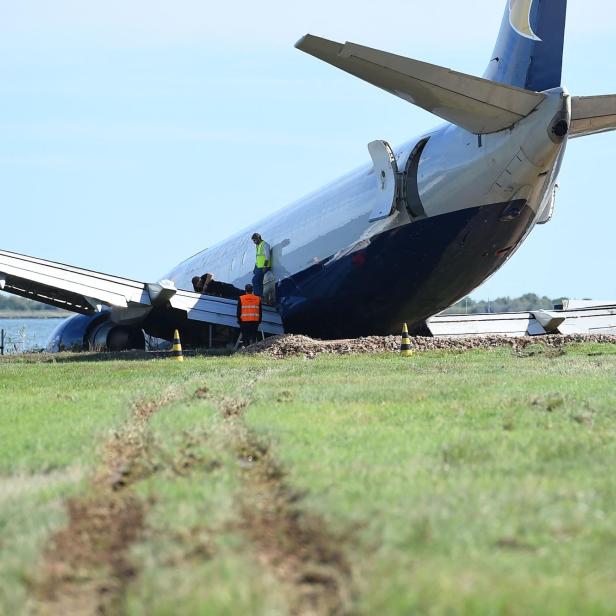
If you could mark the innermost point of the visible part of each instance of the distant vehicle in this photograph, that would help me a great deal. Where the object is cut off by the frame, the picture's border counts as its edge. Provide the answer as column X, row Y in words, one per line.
column 401, row 238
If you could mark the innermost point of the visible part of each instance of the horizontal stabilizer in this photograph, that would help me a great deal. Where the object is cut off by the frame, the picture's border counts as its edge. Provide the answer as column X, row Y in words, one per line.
column 475, row 104
column 592, row 114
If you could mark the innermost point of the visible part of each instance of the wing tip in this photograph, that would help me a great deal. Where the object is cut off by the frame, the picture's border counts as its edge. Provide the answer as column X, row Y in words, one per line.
column 301, row 43
column 317, row 45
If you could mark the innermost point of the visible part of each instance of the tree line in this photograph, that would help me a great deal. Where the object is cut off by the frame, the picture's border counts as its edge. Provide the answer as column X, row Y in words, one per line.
column 524, row 303
column 529, row 301
column 14, row 303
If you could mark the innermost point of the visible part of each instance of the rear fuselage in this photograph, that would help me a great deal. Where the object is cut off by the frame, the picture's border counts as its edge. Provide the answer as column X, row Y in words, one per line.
column 466, row 204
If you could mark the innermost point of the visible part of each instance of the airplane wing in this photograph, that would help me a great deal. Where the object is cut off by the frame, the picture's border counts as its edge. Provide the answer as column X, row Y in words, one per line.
column 86, row 292
column 478, row 105
column 63, row 286
column 592, row 114
column 72, row 288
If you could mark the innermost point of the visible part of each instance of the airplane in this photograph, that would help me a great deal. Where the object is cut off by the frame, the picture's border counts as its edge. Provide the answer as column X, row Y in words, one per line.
column 398, row 240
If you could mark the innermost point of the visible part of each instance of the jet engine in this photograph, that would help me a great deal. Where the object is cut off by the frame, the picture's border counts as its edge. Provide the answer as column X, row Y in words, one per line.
column 94, row 332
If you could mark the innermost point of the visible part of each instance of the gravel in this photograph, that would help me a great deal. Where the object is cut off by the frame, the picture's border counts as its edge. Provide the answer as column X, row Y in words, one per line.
column 288, row 345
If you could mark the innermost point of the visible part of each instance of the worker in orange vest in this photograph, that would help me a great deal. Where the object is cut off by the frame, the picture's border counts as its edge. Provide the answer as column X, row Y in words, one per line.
column 249, row 315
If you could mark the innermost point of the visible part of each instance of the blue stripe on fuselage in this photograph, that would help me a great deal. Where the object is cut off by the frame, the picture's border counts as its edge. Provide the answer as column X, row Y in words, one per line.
column 405, row 274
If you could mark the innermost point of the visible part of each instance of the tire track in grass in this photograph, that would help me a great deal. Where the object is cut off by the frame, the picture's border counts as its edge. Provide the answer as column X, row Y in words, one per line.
column 86, row 568
column 294, row 544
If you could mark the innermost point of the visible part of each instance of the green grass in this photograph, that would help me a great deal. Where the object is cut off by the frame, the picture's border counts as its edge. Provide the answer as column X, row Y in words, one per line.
column 464, row 483
column 54, row 418
column 54, row 414
column 480, row 482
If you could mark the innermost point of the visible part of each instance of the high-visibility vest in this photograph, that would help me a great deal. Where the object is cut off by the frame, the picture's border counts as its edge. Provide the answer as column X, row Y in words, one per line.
column 261, row 258
column 250, row 308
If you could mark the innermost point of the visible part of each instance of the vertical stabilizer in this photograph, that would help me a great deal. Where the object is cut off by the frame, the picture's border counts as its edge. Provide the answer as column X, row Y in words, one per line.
column 529, row 50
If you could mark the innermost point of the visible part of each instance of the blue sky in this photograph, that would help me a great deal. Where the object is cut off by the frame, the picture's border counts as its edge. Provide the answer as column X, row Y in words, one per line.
column 134, row 133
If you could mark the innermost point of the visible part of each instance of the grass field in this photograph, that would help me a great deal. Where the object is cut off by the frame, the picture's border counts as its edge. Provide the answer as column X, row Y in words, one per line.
column 448, row 483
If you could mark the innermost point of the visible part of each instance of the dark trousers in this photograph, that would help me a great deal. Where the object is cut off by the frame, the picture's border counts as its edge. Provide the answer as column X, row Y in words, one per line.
column 257, row 281
column 249, row 332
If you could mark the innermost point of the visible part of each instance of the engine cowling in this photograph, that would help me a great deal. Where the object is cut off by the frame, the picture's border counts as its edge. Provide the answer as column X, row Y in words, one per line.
column 94, row 333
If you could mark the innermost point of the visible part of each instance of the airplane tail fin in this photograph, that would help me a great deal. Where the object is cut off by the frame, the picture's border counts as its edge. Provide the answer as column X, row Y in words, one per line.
column 478, row 105
column 529, row 55
column 529, row 49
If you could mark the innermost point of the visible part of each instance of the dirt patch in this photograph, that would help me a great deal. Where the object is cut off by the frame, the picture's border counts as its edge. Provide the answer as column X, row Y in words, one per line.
column 549, row 403
column 202, row 393
column 127, row 455
column 190, row 455
column 287, row 345
column 305, row 556
column 295, row 545
column 232, row 407
column 512, row 543
column 279, row 347
column 86, row 568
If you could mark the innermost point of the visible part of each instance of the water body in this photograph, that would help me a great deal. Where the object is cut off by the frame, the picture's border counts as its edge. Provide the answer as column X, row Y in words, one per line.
column 21, row 335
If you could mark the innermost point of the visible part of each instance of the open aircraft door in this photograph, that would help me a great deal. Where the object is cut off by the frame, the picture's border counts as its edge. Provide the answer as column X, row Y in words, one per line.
column 386, row 172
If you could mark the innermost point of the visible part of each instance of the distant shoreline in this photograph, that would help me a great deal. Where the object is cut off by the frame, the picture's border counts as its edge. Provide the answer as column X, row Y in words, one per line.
column 16, row 314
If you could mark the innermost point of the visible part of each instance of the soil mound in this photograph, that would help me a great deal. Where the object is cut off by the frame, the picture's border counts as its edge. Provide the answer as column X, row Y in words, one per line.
column 289, row 345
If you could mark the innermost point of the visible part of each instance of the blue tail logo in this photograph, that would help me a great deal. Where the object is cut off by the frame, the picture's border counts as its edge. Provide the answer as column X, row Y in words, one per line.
column 529, row 50
column 519, row 18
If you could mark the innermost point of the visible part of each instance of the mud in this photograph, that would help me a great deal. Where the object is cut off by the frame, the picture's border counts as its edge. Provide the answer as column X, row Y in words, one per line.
column 279, row 347
column 232, row 407
column 86, row 568
column 297, row 547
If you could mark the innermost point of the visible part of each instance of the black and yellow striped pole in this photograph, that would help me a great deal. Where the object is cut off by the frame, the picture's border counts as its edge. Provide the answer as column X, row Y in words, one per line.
column 176, row 352
column 405, row 346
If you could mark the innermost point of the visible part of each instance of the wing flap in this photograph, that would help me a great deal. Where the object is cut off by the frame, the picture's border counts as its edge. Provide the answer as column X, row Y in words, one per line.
column 592, row 114
column 475, row 104
column 221, row 311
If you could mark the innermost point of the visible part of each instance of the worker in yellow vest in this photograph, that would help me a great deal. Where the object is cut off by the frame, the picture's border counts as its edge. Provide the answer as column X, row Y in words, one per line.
column 263, row 262
column 249, row 315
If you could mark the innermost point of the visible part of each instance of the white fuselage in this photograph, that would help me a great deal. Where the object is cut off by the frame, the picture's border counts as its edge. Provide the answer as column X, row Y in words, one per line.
column 457, row 170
